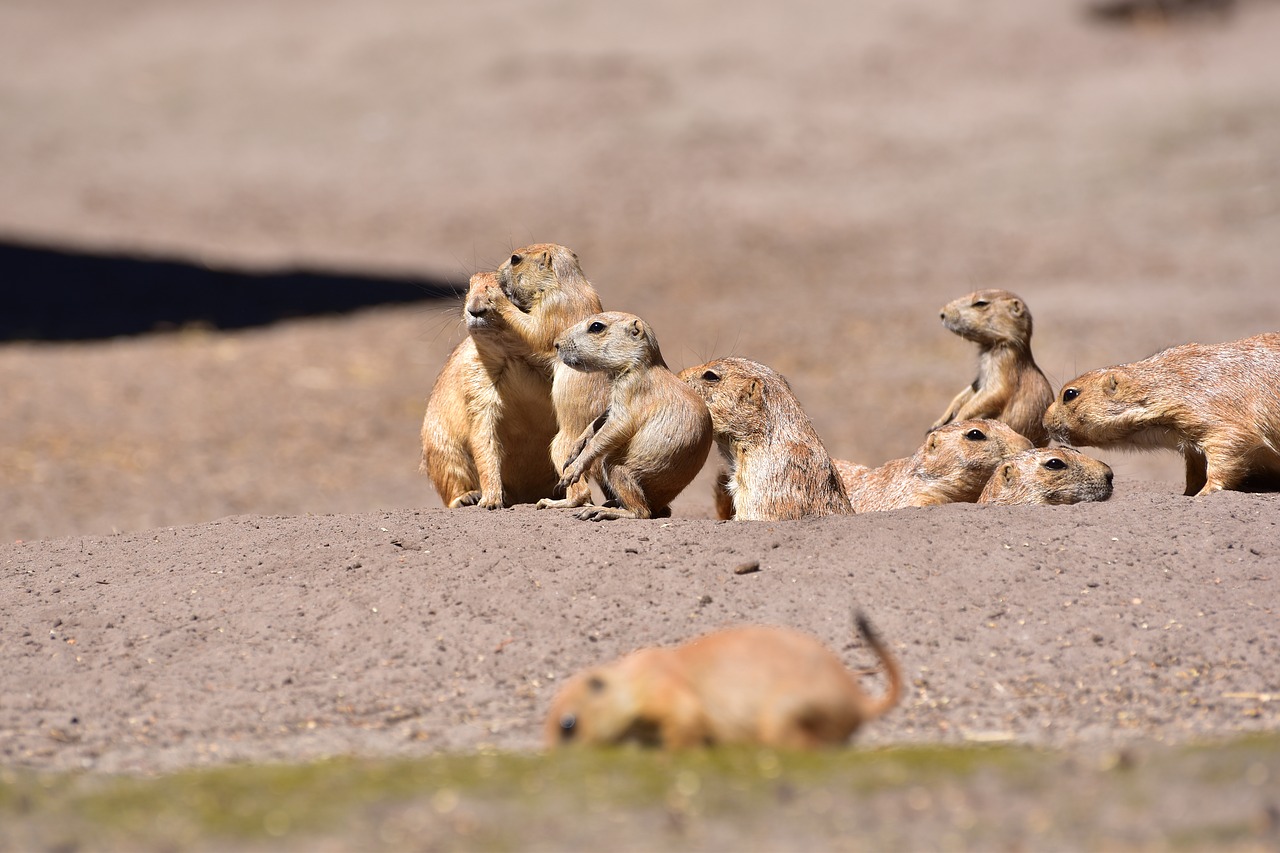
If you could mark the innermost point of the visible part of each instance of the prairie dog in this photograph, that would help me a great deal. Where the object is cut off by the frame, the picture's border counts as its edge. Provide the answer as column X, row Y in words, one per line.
column 1217, row 404
column 778, row 466
column 548, row 293
column 952, row 466
column 770, row 686
column 1009, row 386
column 655, row 435
column 489, row 419
column 1048, row 475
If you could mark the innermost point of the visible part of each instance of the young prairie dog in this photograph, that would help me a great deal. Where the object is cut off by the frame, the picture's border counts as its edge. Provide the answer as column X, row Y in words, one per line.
column 548, row 293
column 653, row 438
column 1048, row 475
column 1009, row 386
column 1217, row 404
column 778, row 466
column 770, row 686
column 952, row 466
column 489, row 419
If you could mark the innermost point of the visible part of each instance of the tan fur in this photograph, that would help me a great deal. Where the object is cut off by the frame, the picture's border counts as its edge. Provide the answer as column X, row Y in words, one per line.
column 778, row 466
column 655, row 435
column 548, row 294
column 1217, row 404
column 952, row 466
column 770, row 686
column 489, row 419
column 1048, row 475
column 1009, row 386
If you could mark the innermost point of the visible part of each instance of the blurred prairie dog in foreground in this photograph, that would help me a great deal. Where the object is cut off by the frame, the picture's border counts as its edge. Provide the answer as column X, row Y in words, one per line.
column 778, row 466
column 1009, row 386
column 1048, row 475
column 1216, row 404
column 762, row 685
column 548, row 293
column 655, row 435
column 489, row 419
column 952, row 466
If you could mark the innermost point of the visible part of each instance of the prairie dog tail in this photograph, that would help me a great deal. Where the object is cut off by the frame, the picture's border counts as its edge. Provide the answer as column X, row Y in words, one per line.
column 891, row 670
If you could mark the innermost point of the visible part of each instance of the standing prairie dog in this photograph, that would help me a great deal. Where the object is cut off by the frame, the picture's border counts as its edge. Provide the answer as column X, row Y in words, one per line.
column 1048, row 475
column 778, row 466
column 548, row 293
column 654, row 436
column 1009, row 386
column 770, row 686
column 489, row 419
column 1217, row 404
column 952, row 466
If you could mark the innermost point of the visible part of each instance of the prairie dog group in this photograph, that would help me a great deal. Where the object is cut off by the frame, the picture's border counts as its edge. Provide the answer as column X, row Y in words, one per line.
column 1216, row 404
column 952, row 466
column 770, row 686
column 1009, row 386
column 778, row 468
column 655, row 435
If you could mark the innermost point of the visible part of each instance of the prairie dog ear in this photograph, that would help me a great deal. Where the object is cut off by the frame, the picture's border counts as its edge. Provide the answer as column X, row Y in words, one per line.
column 1111, row 383
column 1008, row 473
column 753, row 392
column 1016, row 307
column 564, row 264
column 931, row 443
column 637, row 328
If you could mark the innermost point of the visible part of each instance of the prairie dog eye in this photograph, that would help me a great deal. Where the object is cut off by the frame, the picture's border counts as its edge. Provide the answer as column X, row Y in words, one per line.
column 1069, row 394
column 596, row 328
column 1055, row 464
column 515, row 259
column 981, row 303
column 711, row 376
column 976, row 434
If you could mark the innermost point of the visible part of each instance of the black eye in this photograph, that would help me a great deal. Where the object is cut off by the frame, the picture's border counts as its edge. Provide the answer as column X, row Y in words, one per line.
column 1055, row 464
column 568, row 726
column 595, row 684
column 711, row 376
column 981, row 303
column 596, row 328
column 1069, row 394
column 515, row 259
column 976, row 435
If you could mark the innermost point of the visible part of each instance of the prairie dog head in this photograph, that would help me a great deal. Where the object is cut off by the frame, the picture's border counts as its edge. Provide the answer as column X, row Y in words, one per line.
column 989, row 317
column 478, row 309
column 613, row 342
column 1104, row 407
column 974, row 445
column 546, row 272
column 597, row 706
column 741, row 394
column 1051, row 475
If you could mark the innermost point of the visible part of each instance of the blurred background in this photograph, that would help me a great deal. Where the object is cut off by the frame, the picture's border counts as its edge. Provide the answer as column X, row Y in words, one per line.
column 295, row 187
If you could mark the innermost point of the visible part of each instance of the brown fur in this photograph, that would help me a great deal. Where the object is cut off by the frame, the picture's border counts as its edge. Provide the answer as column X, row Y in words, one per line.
column 489, row 419
column 1048, row 475
column 1217, row 404
column 770, row 686
column 548, row 293
column 1009, row 386
column 952, row 466
column 655, row 435
column 778, row 466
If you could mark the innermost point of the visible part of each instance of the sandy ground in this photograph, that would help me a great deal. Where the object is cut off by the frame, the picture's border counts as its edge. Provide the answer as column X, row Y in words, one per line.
column 218, row 545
